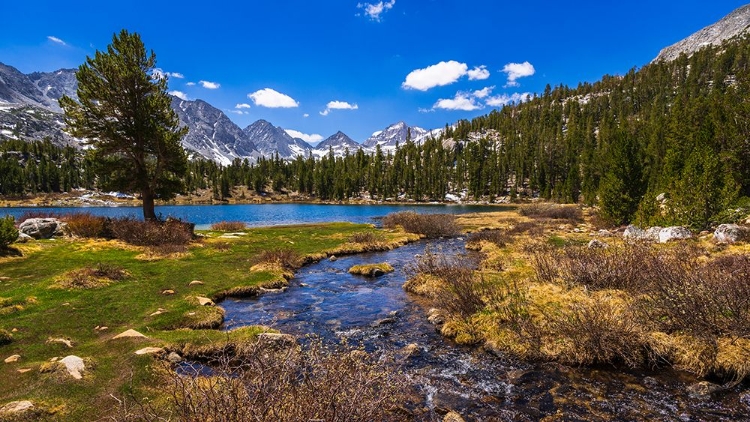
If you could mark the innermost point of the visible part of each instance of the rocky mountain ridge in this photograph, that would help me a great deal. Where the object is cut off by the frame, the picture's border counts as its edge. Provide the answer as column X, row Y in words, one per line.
column 732, row 25
column 29, row 110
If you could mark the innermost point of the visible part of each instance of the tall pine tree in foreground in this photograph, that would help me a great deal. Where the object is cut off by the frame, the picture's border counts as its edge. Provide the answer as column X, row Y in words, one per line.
column 125, row 113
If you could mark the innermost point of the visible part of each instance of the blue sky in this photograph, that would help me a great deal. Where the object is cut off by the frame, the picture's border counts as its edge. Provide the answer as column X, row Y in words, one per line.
column 357, row 66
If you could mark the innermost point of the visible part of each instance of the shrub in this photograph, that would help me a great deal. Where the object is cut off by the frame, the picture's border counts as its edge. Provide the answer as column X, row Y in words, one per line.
column 288, row 258
column 92, row 277
column 5, row 337
column 497, row 237
column 86, row 225
column 8, row 231
column 531, row 228
column 228, row 226
column 284, row 384
column 553, row 211
column 429, row 225
column 152, row 233
column 599, row 332
column 366, row 237
column 706, row 301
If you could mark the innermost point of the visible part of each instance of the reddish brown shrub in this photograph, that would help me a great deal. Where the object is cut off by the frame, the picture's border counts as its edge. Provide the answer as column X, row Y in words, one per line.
column 429, row 225
column 152, row 233
column 86, row 225
column 287, row 258
column 228, row 226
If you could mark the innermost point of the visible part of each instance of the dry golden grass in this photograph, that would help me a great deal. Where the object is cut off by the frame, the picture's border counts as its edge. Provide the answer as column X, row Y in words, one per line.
column 550, row 319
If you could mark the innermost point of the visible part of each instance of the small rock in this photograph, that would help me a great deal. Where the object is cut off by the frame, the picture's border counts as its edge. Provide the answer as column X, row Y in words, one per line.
column 702, row 390
column 174, row 357
column 23, row 370
column 604, row 233
column 597, row 244
column 196, row 283
column 129, row 334
column 23, row 238
column 60, row 341
column 435, row 317
column 452, row 417
column 277, row 341
column 633, row 232
column 16, row 407
column 204, row 301
column 333, row 258
column 101, row 328
column 384, row 321
column 661, row 197
column 149, row 350
column 730, row 233
column 54, row 359
column 745, row 398
column 74, row 365
column 668, row 234
column 157, row 312
column 167, row 292
column 411, row 350
column 15, row 330
column 13, row 358
column 376, row 272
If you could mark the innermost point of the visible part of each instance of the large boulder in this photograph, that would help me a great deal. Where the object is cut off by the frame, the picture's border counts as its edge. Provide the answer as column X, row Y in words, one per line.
column 730, row 233
column 674, row 233
column 42, row 228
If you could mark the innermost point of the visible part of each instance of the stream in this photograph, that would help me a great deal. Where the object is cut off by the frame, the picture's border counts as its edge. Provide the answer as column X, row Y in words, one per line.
column 325, row 300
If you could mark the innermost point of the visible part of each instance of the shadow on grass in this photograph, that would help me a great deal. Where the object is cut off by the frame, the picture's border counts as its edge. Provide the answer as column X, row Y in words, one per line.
column 10, row 251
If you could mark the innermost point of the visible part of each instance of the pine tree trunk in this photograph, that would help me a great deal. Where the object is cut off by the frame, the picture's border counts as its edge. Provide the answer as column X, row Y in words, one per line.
column 148, row 205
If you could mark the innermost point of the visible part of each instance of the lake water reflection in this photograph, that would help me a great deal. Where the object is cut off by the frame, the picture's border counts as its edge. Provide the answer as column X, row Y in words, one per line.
column 256, row 215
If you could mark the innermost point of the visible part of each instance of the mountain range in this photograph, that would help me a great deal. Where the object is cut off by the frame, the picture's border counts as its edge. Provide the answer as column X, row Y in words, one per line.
column 29, row 110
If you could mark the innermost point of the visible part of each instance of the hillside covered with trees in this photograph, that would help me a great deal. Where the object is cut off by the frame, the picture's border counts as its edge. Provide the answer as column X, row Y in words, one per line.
column 681, row 128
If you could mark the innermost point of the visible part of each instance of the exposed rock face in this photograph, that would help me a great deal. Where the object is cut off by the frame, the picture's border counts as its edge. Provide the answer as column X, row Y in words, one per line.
column 634, row 233
column 730, row 26
column 23, row 238
column 730, row 233
column 42, row 228
column 674, row 233
column 129, row 334
column 16, row 407
column 74, row 365
column 149, row 351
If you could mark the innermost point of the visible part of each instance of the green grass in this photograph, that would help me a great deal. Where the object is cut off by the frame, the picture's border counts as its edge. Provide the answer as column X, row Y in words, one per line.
column 37, row 310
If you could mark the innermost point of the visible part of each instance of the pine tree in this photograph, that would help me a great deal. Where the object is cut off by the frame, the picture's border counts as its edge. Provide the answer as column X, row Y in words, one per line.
column 125, row 113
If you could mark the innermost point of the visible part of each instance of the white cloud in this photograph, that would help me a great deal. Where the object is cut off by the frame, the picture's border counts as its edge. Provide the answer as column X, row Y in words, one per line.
column 462, row 101
column 190, row 84
column 267, row 97
column 179, row 94
column 518, row 70
column 176, row 75
column 242, row 105
column 240, row 112
column 338, row 105
column 504, row 99
column 56, row 40
column 210, row 85
column 483, row 92
column 306, row 115
column 374, row 10
column 443, row 73
column 310, row 139
column 479, row 73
